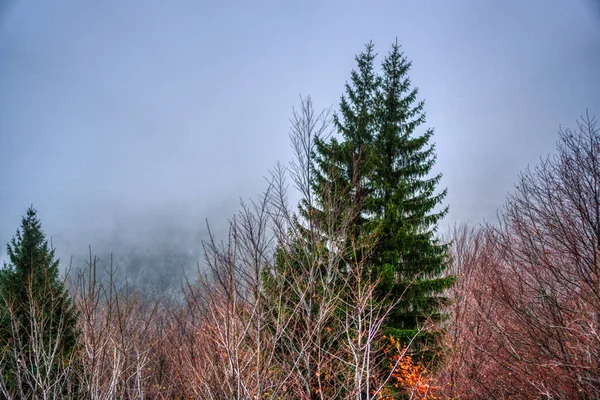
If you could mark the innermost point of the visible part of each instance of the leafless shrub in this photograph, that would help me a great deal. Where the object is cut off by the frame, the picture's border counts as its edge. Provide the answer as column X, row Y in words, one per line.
column 114, row 351
column 526, row 315
column 285, row 308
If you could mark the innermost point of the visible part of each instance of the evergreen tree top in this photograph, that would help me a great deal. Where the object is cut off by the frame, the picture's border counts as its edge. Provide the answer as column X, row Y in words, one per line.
column 29, row 250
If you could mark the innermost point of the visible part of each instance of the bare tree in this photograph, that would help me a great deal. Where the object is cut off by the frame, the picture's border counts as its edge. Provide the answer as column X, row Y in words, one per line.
column 115, row 349
column 527, row 308
column 325, row 308
column 284, row 308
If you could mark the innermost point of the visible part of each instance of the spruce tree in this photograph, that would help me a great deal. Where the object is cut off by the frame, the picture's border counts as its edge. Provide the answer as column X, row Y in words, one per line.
column 389, row 163
column 372, row 198
column 407, row 206
column 37, row 318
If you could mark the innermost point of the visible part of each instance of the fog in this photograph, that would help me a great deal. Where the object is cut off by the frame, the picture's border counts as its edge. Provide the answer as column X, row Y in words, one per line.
column 127, row 124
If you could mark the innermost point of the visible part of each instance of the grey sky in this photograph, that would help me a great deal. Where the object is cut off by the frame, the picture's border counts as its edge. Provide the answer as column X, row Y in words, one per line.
column 128, row 121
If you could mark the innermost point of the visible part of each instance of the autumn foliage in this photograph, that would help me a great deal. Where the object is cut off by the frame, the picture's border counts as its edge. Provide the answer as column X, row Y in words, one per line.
column 408, row 377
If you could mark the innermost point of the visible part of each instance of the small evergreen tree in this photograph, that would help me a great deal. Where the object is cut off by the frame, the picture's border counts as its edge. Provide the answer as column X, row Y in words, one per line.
column 37, row 319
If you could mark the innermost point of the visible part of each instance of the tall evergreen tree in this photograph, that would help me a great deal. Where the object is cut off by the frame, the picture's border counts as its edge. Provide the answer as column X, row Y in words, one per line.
column 381, row 153
column 406, row 205
column 37, row 319
column 372, row 204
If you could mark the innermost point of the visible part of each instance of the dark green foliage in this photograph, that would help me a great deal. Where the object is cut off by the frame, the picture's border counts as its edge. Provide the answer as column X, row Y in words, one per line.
column 389, row 165
column 343, row 168
column 340, row 165
column 405, row 202
column 37, row 320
